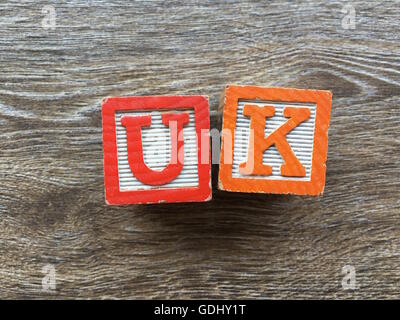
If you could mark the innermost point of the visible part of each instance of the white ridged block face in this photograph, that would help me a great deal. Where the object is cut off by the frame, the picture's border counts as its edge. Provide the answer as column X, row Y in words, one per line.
column 300, row 140
column 156, row 141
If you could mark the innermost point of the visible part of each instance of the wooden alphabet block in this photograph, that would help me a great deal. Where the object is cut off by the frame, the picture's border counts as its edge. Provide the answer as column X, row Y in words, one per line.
column 274, row 140
column 153, row 151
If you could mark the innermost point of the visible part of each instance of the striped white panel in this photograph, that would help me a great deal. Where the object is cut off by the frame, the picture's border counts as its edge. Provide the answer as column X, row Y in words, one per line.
column 156, row 141
column 300, row 139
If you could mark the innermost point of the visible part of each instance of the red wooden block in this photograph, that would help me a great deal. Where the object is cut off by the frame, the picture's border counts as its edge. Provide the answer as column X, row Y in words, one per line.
column 154, row 151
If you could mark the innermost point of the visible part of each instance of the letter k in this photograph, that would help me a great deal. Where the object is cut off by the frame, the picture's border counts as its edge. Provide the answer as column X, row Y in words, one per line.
column 259, row 143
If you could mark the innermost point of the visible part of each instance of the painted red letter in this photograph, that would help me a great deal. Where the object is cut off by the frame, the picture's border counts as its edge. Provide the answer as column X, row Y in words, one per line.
column 142, row 172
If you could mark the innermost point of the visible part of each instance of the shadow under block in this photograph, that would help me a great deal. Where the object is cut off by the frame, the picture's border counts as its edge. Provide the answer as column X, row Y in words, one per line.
column 152, row 153
column 274, row 140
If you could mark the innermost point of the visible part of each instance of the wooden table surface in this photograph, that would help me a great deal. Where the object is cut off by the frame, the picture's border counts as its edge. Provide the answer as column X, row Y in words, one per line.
column 52, row 208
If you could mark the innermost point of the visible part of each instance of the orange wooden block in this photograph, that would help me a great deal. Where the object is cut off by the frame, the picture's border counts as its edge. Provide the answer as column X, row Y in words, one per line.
column 274, row 140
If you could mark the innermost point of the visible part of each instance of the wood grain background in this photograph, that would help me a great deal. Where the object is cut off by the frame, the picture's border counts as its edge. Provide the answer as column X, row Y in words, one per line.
column 52, row 208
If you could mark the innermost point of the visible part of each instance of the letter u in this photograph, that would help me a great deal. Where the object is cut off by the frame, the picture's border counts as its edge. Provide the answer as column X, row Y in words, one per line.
column 142, row 172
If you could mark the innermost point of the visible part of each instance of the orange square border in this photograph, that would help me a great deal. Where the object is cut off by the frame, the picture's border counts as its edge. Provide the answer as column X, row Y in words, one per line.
column 321, row 98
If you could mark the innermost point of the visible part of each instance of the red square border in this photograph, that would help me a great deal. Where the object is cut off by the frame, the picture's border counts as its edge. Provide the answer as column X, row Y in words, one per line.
column 113, row 194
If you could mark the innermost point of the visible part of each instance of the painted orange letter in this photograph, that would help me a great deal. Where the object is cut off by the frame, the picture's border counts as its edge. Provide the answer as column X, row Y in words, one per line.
column 135, row 149
column 259, row 143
